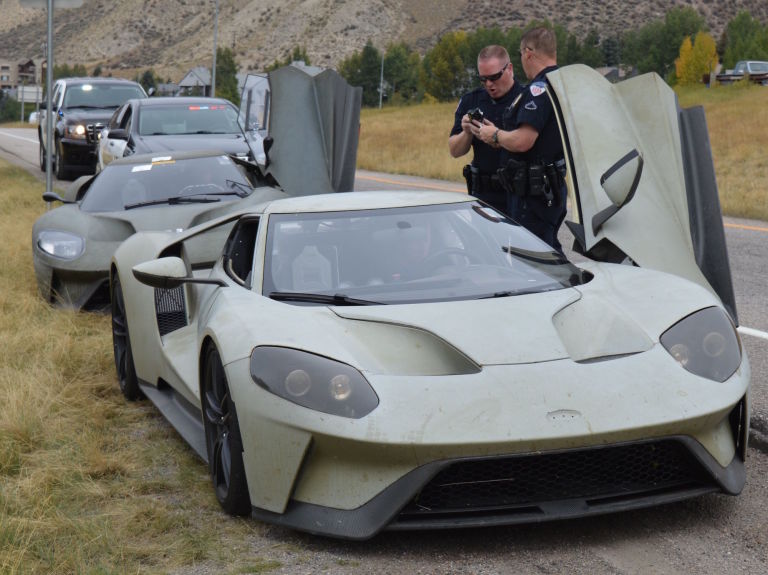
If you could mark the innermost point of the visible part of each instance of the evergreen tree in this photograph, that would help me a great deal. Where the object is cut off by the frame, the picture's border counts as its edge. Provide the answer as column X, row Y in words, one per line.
column 226, row 76
column 744, row 39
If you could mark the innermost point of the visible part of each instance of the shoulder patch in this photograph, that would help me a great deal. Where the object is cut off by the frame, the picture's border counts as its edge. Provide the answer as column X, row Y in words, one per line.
column 538, row 88
column 531, row 105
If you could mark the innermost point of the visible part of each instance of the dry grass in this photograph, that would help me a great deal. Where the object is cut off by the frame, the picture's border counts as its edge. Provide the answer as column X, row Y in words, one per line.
column 88, row 482
column 414, row 140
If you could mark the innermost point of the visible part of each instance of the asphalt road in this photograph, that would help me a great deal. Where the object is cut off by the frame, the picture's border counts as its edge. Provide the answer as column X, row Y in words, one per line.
column 710, row 534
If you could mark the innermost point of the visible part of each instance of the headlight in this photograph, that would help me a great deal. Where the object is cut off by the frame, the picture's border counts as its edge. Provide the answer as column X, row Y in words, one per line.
column 76, row 131
column 313, row 381
column 705, row 343
column 61, row 244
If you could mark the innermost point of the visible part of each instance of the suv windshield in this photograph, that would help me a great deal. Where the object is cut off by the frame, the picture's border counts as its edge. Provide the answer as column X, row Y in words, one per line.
column 188, row 119
column 403, row 255
column 216, row 178
column 100, row 95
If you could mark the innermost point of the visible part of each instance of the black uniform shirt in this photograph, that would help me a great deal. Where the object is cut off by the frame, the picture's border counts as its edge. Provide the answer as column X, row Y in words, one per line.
column 486, row 159
column 535, row 109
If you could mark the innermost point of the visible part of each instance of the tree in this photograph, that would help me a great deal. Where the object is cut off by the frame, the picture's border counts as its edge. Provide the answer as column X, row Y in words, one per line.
column 744, row 39
column 364, row 69
column 696, row 58
column 97, row 71
column 226, row 76
column 444, row 74
column 654, row 47
column 401, row 72
column 147, row 79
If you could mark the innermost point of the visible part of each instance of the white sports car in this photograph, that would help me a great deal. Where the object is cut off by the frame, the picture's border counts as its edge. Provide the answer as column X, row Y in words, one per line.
column 355, row 362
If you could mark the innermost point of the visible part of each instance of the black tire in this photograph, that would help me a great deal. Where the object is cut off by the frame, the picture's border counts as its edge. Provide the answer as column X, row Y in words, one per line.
column 62, row 173
column 42, row 156
column 222, row 437
column 121, row 344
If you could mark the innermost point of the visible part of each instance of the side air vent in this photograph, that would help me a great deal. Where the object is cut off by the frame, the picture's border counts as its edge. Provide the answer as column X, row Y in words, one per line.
column 171, row 309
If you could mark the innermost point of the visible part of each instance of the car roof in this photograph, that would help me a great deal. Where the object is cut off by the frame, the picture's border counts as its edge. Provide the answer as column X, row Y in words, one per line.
column 165, row 157
column 353, row 201
column 180, row 101
column 97, row 80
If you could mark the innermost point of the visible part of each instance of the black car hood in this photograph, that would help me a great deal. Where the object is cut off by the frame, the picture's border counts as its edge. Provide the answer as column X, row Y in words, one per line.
column 88, row 115
column 227, row 143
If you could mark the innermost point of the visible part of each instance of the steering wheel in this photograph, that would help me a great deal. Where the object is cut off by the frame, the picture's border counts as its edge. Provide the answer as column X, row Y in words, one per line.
column 433, row 260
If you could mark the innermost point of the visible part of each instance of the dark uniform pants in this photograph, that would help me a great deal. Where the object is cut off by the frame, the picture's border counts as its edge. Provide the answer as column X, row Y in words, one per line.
column 538, row 218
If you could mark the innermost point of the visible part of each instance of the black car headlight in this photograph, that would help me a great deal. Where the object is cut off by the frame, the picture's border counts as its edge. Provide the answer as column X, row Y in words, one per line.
column 76, row 131
column 62, row 245
column 705, row 343
column 313, row 381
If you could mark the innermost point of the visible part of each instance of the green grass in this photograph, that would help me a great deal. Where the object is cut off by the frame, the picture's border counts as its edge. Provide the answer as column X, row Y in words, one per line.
column 88, row 482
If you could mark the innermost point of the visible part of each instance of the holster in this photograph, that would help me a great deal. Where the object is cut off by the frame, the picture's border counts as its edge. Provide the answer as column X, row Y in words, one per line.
column 467, row 173
column 513, row 178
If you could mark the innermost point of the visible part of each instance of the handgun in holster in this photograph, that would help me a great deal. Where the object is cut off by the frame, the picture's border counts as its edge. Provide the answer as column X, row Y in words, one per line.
column 513, row 177
column 537, row 183
column 467, row 173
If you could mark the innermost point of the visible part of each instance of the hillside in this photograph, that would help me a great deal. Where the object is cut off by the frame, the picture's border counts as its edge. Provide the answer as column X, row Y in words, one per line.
column 173, row 35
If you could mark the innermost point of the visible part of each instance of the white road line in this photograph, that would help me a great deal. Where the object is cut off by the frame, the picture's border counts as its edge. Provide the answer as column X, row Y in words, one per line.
column 4, row 133
column 753, row 332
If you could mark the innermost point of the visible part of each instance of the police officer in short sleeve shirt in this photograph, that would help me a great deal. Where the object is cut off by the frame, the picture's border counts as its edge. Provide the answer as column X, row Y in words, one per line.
column 530, row 133
column 497, row 94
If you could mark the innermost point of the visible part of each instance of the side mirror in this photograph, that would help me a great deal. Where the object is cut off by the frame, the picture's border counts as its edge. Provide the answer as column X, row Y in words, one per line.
column 54, row 197
column 168, row 273
column 619, row 182
column 151, row 91
column 118, row 134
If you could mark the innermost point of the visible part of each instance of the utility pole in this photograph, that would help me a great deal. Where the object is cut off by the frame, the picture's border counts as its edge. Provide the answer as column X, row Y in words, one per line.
column 381, row 81
column 215, row 34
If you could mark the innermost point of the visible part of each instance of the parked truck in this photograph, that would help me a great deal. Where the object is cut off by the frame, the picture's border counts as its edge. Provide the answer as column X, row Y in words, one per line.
column 755, row 69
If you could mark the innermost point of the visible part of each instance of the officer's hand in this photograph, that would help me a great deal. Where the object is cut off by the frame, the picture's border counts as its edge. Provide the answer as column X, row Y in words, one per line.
column 484, row 131
column 466, row 124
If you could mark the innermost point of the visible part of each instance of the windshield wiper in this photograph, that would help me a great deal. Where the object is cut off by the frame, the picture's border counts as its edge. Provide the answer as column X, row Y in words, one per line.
column 178, row 200
column 548, row 258
column 335, row 299
column 523, row 291
column 245, row 188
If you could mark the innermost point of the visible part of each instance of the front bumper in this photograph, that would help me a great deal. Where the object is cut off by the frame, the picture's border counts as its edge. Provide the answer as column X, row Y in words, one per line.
column 528, row 488
column 79, row 155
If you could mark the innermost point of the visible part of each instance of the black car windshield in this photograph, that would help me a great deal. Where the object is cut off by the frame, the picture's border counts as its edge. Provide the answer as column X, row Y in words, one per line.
column 404, row 255
column 177, row 119
column 121, row 185
column 100, row 95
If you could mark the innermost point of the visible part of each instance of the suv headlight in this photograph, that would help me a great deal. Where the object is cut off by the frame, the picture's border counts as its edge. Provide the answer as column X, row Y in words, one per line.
column 76, row 131
column 61, row 244
column 313, row 381
column 705, row 343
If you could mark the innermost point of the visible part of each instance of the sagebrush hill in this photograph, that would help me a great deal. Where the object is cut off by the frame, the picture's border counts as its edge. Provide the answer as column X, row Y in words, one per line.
column 171, row 36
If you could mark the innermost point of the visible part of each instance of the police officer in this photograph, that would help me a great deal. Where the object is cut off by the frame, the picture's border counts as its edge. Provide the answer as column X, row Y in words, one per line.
column 497, row 93
column 530, row 132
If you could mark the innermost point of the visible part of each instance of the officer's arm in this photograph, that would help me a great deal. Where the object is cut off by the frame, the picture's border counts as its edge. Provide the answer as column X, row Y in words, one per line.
column 459, row 144
column 518, row 140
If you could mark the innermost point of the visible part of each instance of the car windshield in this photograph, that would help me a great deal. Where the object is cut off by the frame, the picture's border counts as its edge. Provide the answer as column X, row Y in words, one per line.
column 135, row 185
column 403, row 255
column 100, row 95
column 188, row 119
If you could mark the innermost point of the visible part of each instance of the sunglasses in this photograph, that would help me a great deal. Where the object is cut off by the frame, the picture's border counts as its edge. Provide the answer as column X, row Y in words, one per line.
column 492, row 77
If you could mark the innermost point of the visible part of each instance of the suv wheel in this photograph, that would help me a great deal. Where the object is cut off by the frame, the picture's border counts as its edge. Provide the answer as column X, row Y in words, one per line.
column 62, row 173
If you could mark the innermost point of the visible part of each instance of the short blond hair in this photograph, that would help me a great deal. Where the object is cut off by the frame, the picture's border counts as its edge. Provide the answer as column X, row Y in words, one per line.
column 494, row 51
column 540, row 40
